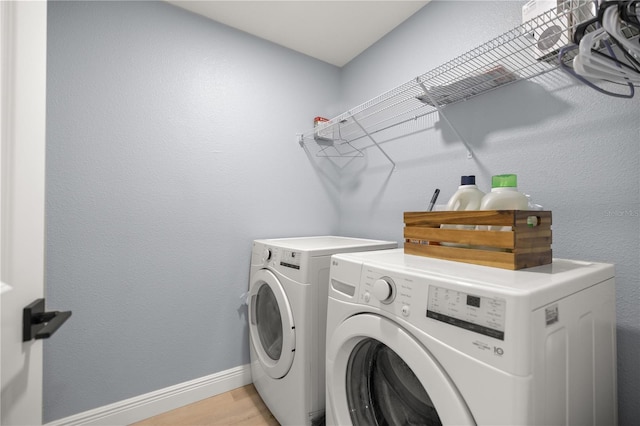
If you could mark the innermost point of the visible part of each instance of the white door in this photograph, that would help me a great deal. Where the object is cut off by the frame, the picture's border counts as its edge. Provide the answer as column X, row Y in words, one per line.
column 23, row 33
column 377, row 373
column 271, row 326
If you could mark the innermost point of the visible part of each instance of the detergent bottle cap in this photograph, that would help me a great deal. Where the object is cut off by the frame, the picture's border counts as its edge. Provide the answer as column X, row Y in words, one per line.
column 504, row 181
column 468, row 180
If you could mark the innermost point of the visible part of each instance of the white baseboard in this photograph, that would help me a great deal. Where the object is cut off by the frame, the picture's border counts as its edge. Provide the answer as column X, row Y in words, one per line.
column 153, row 403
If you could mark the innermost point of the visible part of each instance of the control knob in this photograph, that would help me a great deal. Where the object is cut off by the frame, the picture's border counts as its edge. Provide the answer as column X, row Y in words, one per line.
column 266, row 255
column 383, row 289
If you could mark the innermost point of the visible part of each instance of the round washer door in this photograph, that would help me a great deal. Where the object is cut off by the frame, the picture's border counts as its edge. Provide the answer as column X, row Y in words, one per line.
column 271, row 325
column 378, row 374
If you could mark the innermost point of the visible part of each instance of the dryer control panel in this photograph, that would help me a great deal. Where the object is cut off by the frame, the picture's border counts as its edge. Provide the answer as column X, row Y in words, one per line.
column 290, row 259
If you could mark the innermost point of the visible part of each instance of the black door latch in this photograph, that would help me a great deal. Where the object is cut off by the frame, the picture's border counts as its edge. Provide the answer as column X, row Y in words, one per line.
column 38, row 324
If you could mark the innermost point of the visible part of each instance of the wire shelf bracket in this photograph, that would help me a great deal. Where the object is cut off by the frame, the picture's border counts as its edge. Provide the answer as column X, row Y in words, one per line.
column 427, row 96
column 393, row 163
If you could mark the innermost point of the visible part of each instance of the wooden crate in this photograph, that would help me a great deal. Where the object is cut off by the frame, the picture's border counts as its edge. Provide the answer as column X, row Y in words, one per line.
column 526, row 243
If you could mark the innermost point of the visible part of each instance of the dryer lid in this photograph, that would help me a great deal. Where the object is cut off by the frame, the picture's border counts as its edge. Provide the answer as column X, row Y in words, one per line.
column 327, row 245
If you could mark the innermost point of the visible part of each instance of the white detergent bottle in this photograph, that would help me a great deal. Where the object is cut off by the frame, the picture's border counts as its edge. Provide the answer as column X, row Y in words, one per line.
column 504, row 195
column 467, row 197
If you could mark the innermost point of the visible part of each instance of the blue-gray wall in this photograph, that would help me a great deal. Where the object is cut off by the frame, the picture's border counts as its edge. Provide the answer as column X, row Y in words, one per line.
column 171, row 145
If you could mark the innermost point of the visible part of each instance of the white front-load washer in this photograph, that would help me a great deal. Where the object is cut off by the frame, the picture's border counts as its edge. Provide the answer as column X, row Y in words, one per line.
column 289, row 279
column 415, row 340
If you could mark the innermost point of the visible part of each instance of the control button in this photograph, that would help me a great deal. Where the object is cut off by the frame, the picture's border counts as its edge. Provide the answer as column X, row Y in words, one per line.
column 405, row 310
column 383, row 289
column 367, row 296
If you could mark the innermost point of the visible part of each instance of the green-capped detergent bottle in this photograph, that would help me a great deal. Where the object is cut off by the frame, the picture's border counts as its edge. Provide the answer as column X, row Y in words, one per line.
column 504, row 195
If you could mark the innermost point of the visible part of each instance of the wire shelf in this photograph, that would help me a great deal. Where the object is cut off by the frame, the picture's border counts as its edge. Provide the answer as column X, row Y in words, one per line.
column 524, row 52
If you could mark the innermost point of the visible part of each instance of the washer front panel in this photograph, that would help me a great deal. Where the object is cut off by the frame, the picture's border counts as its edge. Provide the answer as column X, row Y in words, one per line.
column 469, row 316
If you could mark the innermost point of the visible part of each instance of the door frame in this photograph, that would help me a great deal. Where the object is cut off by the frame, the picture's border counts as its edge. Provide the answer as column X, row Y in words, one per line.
column 23, row 43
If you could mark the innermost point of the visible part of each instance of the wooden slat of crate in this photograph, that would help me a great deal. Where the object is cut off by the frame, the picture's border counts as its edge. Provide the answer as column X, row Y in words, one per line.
column 497, row 259
column 476, row 217
column 521, row 247
column 539, row 238
column 459, row 236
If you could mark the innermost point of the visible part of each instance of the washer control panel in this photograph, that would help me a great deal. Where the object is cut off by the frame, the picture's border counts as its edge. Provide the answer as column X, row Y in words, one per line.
column 484, row 315
column 434, row 298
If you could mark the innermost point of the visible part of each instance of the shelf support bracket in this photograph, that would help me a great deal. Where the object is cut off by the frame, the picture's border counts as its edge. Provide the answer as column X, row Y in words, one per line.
column 373, row 140
column 444, row 116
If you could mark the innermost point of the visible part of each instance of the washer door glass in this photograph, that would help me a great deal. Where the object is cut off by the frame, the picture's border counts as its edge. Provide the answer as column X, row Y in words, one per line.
column 269, row 322
column 271, row 326
column 382, row 389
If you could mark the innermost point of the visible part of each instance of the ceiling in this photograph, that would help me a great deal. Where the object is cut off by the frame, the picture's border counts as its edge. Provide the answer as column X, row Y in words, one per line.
column 332, row 31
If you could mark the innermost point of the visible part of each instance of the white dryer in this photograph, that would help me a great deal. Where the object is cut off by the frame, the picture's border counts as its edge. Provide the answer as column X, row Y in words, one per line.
column 289, row 280
column 414, row 340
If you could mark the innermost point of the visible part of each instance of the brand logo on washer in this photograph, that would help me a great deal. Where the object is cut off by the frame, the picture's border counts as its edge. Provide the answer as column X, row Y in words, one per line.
column 334, row 262
column 481, row 345
column 497, row 350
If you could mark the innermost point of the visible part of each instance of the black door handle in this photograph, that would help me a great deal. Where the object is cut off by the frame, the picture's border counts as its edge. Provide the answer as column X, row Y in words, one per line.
column 38, row 324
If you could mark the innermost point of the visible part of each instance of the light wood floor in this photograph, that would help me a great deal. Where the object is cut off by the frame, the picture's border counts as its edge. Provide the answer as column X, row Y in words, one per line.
column 242, row 407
